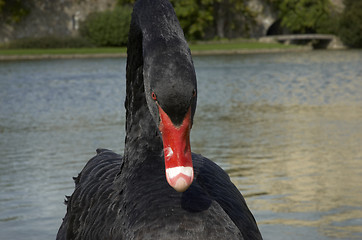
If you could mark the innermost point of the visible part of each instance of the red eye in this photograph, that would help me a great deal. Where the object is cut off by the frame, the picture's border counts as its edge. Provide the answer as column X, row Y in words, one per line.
column 194, row 93
column 153, row 95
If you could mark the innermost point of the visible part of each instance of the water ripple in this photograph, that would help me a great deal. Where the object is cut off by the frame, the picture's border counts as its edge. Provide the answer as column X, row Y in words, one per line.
column 286, row 127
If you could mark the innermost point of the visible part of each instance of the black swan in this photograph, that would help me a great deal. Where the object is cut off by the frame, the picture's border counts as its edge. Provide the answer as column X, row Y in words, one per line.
column 158, row 189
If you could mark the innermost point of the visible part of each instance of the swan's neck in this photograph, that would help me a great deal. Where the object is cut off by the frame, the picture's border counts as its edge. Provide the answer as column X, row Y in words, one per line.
column 142, row 136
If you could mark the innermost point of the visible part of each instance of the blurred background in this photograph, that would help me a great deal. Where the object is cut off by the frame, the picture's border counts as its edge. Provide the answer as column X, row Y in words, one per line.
column 84, row 23
column 282, row 118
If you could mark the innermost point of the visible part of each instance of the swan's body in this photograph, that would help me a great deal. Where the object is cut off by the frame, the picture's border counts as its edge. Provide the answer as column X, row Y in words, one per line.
column 134, row 197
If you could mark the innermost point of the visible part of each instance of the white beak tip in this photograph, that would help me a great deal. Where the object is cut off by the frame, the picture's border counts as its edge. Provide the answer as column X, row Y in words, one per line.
column 180, row 178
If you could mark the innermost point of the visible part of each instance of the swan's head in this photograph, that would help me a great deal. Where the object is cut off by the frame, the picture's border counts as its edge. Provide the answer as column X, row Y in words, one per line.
column 171, row 93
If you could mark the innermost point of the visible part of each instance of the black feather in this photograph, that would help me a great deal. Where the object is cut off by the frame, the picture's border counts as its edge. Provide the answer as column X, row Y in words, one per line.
column 128, row 197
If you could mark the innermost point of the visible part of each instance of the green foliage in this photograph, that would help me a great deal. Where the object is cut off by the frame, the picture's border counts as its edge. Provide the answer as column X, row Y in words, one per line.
column 221, row 17
column 228, row 46
column 12, row 10
column 125, row 2
column 303, row 16
column 199, row 17
column 109, row 28
column 235, row 45
column 350, row 28
column 50, row 42
column 2, row 4
column 194, row 16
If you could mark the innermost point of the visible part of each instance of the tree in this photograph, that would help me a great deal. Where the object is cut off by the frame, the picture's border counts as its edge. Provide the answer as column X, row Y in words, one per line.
column 109, row 28
column 125, row 2
column 12, row 10
column 303, row 16
column 218, row 17
column 350, row 28
column 231, row 16
column 194, row 16
column 2, row 3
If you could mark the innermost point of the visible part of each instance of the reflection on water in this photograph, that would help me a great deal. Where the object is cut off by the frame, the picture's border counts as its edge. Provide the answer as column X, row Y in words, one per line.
column 289, row 128
column 306, row 167
column 54, row 114
column 286, row 127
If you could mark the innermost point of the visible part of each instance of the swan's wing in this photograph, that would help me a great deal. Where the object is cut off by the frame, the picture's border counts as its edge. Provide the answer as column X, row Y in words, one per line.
column 216, row 182
column 93, row 186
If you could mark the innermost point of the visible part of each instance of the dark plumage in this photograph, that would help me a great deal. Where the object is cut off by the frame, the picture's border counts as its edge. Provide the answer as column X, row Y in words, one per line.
column 128, row 197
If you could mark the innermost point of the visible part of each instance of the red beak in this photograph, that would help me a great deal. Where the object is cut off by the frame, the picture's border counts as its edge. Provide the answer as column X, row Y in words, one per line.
column 177, row 151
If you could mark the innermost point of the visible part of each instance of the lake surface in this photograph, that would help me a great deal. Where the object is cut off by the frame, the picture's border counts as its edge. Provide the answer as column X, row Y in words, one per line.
column 287, row 127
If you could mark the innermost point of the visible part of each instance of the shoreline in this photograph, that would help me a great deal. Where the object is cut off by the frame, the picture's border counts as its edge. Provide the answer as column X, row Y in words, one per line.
column 119, row 55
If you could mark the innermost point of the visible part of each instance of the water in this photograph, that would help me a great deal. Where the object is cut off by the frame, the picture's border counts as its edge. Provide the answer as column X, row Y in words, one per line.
column 286, row 127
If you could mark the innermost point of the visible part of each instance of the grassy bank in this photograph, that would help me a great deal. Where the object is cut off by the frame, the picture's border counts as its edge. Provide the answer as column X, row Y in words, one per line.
column 196, row 48
column 236, row 45
column 59, row 51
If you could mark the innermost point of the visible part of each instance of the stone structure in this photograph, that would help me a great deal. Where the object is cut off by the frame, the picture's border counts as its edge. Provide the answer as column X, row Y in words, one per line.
column 62, row 17
column 265, row 17
column 267, row 22
column 52, row 18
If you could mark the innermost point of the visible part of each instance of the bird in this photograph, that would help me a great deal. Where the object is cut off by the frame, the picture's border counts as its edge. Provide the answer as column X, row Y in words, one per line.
column 158, row 189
